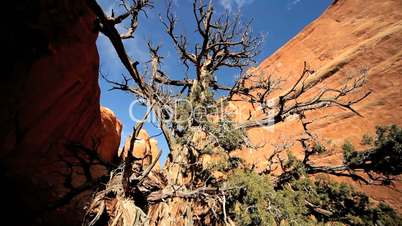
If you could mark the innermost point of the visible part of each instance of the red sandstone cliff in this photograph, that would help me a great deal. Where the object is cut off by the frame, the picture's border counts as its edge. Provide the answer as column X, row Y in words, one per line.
column 50, row 98
column 350, row 36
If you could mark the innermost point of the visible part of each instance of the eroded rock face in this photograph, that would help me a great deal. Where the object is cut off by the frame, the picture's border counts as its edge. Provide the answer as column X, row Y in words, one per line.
column 145, row 148
column 352, row 36
column 50, row 98
column 109, row 134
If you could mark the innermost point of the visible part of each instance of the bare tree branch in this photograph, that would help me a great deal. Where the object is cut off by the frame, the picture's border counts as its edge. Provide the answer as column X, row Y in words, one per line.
column 292, row 102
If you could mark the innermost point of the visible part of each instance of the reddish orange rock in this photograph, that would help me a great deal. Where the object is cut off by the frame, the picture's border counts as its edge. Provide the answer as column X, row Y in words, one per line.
column 350, row 36
column 109, row 134
column 145, row 148
column 49, row 97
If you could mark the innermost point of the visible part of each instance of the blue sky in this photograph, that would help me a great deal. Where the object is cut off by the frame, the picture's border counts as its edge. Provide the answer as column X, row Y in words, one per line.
column 278, row 20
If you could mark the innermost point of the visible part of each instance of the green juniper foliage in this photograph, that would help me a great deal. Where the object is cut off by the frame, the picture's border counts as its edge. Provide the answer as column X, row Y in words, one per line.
column 228, row 137
column 367, row 140
column 384, row 157
column 302, row 202
column 295, row 199
column 319, row 148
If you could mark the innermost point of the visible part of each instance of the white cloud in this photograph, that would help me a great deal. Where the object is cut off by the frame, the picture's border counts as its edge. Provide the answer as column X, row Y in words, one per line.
column 237, row 4
column 292, row 3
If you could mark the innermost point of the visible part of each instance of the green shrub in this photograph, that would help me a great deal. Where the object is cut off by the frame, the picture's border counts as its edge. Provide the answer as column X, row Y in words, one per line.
column 348, row 149
column 367, row 140
column 228, row 137
column 385, row 157
column 319, row 148
column 258, row 202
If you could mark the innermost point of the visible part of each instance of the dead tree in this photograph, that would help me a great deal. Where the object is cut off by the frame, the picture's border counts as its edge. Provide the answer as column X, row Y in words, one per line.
column 184, row 196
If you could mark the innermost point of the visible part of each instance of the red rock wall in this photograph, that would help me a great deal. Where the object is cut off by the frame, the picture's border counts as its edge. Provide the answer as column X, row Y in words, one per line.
column 351, row 35
column 49, row 95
